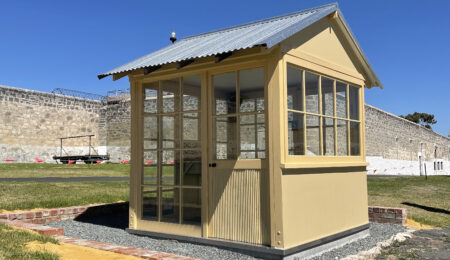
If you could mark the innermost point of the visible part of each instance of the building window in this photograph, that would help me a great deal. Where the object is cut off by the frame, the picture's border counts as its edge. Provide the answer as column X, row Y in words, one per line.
column 172, row 151
column 323, row 115
column 238, row 119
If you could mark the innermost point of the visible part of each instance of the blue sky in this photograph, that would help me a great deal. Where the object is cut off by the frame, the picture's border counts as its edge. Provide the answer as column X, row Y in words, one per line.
column 65, row 44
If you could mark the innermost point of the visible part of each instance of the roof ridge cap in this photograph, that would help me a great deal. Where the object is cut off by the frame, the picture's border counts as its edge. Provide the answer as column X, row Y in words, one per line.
column 279, row 17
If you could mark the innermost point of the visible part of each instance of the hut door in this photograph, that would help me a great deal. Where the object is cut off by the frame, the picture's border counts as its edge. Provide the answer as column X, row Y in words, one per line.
column 238, row 206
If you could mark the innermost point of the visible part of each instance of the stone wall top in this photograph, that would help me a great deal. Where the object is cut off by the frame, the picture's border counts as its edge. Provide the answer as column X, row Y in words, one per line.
column 33, row 97
column 367, row 106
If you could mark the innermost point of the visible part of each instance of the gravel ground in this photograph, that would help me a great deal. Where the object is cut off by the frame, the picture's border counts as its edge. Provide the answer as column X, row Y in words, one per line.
column 378, row 232
column 111, row 230
column 424, row 244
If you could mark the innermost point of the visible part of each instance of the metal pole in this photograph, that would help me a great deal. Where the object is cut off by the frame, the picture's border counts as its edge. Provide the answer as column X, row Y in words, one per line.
column 60, row 148
column 425, row 165
column 90, row 137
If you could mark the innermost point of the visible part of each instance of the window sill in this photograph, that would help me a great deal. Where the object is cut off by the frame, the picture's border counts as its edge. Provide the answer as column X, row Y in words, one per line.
column 322, row 165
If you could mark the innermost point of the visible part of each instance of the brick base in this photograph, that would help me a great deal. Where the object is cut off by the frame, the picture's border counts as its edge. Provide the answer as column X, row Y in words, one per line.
column 387, row 215
column 32, row 219
column 43, row 230
column 57, row 214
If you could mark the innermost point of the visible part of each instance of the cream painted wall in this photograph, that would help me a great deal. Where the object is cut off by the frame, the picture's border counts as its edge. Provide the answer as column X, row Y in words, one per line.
column 324, row 43
column 316, row 205
column 320, row 202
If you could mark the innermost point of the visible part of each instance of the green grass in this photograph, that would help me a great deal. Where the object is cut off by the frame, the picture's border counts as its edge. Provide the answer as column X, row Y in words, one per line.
column 29, row 195
column 13, row 244
column 393, row 191
column 389, row 191
column 39, row 170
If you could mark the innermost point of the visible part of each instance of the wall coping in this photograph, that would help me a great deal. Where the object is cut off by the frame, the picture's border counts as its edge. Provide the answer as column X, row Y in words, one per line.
column 37, row 92
column 407, row 121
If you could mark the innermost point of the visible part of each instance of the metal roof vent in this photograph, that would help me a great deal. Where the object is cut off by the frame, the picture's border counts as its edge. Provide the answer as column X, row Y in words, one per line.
column 173, row 37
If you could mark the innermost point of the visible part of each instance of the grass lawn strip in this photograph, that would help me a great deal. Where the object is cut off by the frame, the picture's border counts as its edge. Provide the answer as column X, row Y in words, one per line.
column 31, row 195
column 39, row 170
column 13, row 244
column 433, row 193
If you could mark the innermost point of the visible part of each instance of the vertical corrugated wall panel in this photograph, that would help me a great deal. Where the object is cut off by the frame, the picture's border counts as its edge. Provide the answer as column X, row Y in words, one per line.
column 239, row 206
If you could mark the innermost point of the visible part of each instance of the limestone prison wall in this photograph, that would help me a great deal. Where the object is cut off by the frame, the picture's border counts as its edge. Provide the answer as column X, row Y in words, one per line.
column 32, row 121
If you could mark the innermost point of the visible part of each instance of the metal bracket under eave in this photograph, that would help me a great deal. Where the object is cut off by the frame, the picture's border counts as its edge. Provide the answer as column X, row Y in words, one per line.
column 184, row 63
column 151, row 69
column 119, row 75
column 102, row 76
column 222, row 56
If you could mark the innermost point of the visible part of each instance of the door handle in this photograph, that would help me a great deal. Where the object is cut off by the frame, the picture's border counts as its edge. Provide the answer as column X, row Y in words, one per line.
column 212, row 165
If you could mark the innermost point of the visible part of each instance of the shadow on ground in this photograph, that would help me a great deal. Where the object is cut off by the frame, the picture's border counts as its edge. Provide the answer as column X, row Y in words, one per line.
column 113, row 217
column 430, row 209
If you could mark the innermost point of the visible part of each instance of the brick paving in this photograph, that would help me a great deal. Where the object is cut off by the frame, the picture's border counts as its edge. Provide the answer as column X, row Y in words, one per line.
column 138, row 252
column 41, row 229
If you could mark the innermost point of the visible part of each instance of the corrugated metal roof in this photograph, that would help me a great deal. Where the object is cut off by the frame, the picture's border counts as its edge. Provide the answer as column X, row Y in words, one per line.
column 268, row 32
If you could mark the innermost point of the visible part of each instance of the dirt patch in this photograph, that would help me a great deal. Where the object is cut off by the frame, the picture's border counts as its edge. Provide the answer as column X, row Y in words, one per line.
column 416, row 225
column 424, row 244
column 74, row 252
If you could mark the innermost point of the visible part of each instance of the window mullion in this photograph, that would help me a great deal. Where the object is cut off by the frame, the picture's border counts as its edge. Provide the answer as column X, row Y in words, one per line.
column 238, row 118
column 320, row 117
column 348, row 119
column 334, row 119
column 305, row 142
column 158, row 155
column 180, row 153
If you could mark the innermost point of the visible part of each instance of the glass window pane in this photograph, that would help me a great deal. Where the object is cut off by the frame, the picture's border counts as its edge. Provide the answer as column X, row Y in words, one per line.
column 225, row 139
column 192, row 168
column 328, row 136
column 170, row 132
column 294, row 88
column 354, row 139
column 170, row 94
column 341, row 99
column 191, row 92
column 296, row 140
column 192, row 213
column 251, row 87
column 150, row 167
column 354, row 102
column 248, row 134
column 225, row 93
column 260, row 136
column 170, row 200
column 150, row 174
column 312, row 92
column 170, row 162
column 151, row 97
column 327, row 97
column 312, row 135
column 149, row 203
column 191, row 130
column 342, row 137
column 150, row 132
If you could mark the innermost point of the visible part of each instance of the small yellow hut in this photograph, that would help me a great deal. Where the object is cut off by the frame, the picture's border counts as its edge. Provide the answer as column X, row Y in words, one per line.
column 252, row 137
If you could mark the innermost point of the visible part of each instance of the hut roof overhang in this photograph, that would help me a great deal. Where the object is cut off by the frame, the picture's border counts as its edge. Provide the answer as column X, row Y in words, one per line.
column 267, row 33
